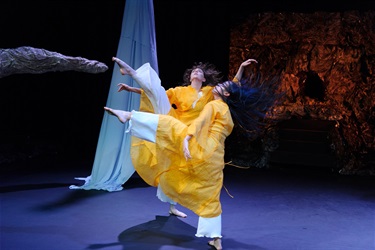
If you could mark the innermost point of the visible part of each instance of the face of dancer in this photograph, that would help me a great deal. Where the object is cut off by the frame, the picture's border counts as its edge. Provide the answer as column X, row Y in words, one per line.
column 197, row 74
column 221, row 89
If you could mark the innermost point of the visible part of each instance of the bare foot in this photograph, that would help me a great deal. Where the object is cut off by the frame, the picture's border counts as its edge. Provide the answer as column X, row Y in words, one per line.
column 174, row 211
column 125, row 69
column 216, row 243
column 123, row 116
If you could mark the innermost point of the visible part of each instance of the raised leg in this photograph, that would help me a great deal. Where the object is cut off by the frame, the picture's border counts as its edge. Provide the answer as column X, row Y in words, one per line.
column 125, row 69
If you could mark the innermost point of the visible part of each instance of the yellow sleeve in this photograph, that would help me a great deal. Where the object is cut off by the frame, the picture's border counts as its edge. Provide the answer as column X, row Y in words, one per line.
column 171, row 93
column 199, row 128
column 236, row 80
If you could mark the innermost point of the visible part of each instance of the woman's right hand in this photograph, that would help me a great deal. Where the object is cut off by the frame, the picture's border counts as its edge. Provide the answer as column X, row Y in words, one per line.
column 186, row 147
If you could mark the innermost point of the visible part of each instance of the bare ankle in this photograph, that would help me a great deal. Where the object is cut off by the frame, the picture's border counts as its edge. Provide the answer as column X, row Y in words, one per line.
column 216, row 243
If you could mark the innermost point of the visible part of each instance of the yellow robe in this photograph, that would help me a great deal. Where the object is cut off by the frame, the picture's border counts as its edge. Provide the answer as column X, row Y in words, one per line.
column 195, row 183
column 189, row 103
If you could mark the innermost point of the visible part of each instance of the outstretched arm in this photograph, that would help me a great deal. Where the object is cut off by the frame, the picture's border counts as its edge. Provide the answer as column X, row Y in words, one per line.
column 238, row 76
column 123, row 86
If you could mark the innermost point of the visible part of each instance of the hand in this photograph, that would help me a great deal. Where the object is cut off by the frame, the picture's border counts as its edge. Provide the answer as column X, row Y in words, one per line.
column 248, row 62
column 186, row 148
column 237, row 78
column 123, row 86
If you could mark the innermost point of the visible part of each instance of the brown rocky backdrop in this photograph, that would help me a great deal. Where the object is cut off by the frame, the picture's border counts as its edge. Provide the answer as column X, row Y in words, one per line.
column 328, row 62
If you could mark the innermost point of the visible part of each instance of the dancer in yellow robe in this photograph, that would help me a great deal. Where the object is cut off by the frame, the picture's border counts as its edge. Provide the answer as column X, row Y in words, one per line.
column 187, row 101
column 192, row 173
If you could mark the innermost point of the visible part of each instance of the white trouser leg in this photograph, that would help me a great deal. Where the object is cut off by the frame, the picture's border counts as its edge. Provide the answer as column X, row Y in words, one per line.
column 209, row 227
column 149, row 81
column 161, row 195
column 143, row 125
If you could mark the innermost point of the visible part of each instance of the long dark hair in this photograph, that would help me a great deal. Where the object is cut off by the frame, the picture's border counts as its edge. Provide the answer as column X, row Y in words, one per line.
column 250, row 102
column 212, row 75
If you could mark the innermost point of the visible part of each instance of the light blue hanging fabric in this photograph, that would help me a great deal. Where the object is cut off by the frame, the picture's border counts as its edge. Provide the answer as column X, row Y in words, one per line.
column 112, row 164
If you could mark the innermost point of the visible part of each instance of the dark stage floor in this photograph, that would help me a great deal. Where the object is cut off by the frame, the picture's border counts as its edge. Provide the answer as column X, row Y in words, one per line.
column 277, row 209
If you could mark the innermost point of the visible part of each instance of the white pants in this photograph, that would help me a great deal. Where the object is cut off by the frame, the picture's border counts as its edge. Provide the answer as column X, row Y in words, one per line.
column 150, row 82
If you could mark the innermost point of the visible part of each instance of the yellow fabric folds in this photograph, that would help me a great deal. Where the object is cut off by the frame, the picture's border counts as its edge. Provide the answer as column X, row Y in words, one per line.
column 195, row 183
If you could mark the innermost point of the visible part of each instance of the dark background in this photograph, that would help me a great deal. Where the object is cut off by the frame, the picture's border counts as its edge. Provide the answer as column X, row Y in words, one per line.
column 60, row 113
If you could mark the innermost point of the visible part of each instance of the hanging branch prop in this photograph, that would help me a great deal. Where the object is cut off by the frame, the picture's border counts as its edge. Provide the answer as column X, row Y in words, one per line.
column 23, row 60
